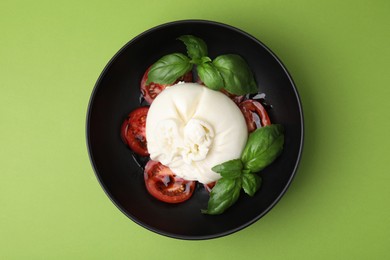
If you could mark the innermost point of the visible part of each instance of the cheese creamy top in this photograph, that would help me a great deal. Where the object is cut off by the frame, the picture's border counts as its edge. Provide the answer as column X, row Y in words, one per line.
column 190, row 129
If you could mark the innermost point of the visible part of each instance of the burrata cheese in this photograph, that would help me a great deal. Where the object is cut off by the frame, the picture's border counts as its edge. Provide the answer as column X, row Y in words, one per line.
column 191, row 128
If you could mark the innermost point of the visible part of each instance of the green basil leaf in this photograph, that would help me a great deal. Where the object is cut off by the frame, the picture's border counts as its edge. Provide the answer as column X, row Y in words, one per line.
column 169, row 68
column 196, row 47
column 245, row 171
column 230, row 169
column 263, row 146
column 224, row 194
column 237, row 76
column 251, row 183
column 210, row 76
column 205, row 59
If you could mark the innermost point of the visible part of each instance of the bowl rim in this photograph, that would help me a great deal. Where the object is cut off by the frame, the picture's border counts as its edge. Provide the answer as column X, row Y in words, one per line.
column 89, row 144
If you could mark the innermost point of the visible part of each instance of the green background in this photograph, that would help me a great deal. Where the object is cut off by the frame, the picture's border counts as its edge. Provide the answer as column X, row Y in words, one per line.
column 51, row 204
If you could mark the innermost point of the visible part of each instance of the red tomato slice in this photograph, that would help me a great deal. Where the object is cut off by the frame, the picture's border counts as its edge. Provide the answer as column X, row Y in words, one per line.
column 163, row 184
column 255, row 114
column 235, row 98
column 133, row 131
column 151, row 90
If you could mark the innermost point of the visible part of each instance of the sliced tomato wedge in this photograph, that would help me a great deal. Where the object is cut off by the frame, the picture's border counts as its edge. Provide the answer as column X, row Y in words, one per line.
column 164, row 185
column 150, row 91
column 255, row 114
column 133, row 131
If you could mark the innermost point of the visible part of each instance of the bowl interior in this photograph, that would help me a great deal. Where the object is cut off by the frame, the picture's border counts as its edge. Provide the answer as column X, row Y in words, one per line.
column 117, row 93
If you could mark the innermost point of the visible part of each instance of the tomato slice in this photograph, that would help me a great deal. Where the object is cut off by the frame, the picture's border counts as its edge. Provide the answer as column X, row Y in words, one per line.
column 133, row 131
column 151, row 90
column 209, row 186
column 235, row 98
column 164, row 185
column 255, row 114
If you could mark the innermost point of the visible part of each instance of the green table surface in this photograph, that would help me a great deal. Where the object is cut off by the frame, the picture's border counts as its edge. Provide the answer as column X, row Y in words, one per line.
column 52, row 206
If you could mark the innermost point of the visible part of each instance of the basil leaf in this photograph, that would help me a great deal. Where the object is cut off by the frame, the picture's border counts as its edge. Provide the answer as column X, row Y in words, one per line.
column 205, row 59
column 210, row 76
column 237, row 76
column 169, row 68
column 196, row 47
column 224, row 194
column 251, row 183
column 230, row 169
column 262, row 147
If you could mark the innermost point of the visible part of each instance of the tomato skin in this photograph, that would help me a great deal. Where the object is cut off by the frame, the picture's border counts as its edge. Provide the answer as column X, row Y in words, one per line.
column 150, row 91
column 251, row 107
column 133, row 131
column 164, row 185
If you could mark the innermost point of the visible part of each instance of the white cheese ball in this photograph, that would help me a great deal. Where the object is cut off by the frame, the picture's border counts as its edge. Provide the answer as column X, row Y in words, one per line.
column 191, row 128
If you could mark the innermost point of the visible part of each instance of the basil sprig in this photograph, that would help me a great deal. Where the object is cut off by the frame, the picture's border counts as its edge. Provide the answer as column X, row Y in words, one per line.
column 228, row 71
column 264, row 145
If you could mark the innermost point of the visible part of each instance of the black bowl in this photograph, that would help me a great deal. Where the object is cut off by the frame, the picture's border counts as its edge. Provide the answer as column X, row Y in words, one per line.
column 117, row 92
